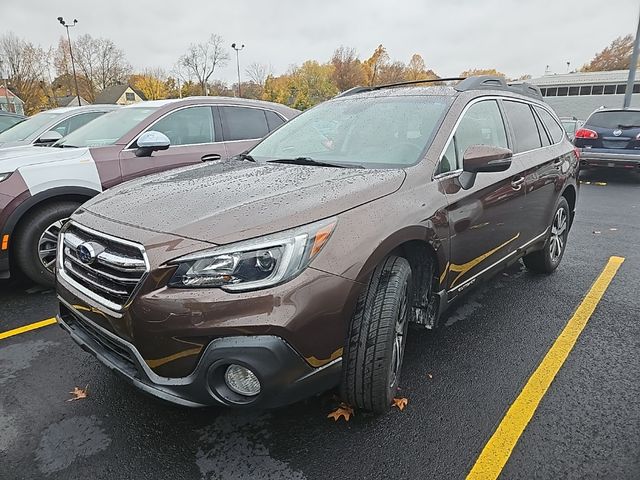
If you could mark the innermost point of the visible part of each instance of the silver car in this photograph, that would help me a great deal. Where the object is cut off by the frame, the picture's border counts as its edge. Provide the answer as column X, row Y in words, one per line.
column 48, row 127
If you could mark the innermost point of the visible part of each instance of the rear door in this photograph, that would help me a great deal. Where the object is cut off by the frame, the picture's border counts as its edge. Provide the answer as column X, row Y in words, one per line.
column 484, row 221
column 243, row 127
column 195, row 137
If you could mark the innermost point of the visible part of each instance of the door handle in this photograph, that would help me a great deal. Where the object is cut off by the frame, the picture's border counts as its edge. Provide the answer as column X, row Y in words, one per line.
column 210, row 157
column 516, row 183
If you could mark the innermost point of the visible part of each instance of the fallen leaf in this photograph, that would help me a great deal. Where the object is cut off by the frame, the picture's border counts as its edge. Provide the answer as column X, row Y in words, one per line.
column 400, row 403
column 429, row 375
column 78, row 393
column 343, row 410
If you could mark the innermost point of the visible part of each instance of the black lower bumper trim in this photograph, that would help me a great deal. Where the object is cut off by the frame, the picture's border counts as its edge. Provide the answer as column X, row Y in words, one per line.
column 284, row 376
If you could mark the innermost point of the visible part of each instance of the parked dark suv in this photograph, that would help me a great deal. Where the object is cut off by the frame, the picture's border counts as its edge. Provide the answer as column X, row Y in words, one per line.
column 40, row 187
column 297, row 267
column 610, row 138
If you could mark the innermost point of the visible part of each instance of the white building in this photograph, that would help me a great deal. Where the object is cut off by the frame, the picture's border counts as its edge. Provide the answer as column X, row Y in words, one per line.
column 579, row 94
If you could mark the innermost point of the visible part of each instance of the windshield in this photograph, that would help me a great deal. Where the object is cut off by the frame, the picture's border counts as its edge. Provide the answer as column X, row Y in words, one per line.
column 373, row 132
column 615, row 119
column 107, row 129
column 25, row 129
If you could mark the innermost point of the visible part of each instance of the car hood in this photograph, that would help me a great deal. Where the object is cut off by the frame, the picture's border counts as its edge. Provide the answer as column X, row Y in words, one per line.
column 15, row 157
column 230, row 201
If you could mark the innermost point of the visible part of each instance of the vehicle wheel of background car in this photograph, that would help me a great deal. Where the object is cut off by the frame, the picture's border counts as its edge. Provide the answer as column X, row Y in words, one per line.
column 36, row 241
column 548, row 259
column 372, row 360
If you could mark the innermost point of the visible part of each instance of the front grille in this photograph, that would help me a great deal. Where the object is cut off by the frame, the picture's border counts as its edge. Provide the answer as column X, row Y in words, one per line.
column 112, row 274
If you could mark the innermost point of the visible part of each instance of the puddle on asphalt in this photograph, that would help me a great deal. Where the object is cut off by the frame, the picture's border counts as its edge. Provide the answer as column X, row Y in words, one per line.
column 14, row 358
column 63, row 442
column 234, row 446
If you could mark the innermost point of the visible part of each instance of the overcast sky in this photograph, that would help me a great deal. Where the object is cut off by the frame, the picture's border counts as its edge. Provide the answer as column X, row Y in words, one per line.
column 515, row 37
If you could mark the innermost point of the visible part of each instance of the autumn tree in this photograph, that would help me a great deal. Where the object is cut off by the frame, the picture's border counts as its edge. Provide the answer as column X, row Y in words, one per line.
column 391, row 72
column 25, row 64
column 417, row 70
column 348, row 70
column 302, row 87
column 374, row 64
column 201, row 59
column 151, row 82
column 474, row 72
column 617, row 56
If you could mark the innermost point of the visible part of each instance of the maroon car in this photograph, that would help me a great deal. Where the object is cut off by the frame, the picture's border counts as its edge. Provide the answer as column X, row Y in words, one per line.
column 256, row 283
column 40, row 188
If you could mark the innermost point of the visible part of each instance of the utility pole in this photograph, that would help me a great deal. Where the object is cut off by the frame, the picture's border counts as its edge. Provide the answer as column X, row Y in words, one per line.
column 73, row 64
column 237, row 49
column 632, row 69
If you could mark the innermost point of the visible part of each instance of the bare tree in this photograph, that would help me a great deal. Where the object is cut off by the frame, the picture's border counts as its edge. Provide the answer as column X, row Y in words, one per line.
column 258, row 73
column 25, row 65
column 201, row 60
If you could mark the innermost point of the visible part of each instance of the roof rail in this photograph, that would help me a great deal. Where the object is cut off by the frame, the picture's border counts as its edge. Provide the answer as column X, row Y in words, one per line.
column 354, row 90
column 481, row 82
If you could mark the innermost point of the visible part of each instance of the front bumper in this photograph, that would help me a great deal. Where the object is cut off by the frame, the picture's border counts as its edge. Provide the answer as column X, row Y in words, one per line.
column 284, row 376
column 614, row 158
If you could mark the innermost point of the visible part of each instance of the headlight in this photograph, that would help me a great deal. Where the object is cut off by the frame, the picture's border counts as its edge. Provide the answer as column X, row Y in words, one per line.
column 4, row 176
column 258, row 263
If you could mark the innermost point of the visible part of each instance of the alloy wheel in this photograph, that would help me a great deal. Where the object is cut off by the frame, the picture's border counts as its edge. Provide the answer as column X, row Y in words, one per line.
column 48, row 245
column 558, row 230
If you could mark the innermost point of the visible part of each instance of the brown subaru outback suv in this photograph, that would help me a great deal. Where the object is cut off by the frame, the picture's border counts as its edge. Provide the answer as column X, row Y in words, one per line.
column 297, row 266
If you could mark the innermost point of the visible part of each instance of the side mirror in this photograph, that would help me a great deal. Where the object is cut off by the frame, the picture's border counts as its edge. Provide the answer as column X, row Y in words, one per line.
column 48, row 138
column 483, row 158
column 150, row 142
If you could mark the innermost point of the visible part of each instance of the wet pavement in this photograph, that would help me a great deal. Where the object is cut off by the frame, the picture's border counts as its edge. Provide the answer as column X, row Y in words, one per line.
column 459, row 380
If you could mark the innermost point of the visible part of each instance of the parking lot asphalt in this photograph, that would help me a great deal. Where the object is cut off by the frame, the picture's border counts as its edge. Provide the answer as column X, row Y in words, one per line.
column 459, row 380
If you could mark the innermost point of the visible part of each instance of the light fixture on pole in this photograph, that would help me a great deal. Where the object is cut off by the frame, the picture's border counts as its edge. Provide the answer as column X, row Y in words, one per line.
column 237, row 49
column 73, row 65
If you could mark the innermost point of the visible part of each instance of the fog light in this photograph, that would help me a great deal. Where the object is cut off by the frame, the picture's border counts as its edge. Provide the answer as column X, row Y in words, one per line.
column 241, row 380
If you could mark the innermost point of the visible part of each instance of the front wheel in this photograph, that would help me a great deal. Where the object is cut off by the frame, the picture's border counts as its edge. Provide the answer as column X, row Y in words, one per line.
column 36, row 241
column 548, row 259
column 372, row 359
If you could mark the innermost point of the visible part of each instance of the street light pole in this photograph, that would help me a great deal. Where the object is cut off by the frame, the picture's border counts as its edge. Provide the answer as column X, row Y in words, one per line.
column 237, row 49
column 73, row 64
column 632, row 69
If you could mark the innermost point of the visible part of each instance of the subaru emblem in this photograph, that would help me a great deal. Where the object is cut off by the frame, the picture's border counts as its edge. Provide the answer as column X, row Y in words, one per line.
column 617, row 132
column 87, row 252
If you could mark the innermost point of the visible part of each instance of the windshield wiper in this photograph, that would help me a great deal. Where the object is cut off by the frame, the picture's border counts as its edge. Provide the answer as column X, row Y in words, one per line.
column 311, row 161
column 63, row 145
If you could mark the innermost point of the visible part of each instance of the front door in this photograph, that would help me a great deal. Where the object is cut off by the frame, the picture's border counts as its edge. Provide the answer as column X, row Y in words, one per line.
column 192, row 132
column 485, row 221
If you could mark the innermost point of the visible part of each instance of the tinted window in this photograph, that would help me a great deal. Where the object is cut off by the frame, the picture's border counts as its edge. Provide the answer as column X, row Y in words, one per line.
column 574, row 90
column 523, row 125
column 239, row 123
column 555, row 130
column 597, row 90
column 73, row 123
column 187, row 126
column 585, row 90
column 273, row 119
column 543, row 135
column 614, row 119
column 481, row 125
column 383, row 132
column 609, row 89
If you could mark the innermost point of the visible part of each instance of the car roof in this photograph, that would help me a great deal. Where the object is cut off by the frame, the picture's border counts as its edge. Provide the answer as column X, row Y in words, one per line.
column 83, row 108
column 616, row 110
column 214, row 100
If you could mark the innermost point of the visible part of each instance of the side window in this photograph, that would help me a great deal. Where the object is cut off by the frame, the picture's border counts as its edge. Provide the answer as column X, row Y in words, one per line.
column 481, row 125
column 188, row 126
column 81, row 120
column 240, row 123
column 555, row 130
column 544, row 138
column 273, row 120
column 524, row 126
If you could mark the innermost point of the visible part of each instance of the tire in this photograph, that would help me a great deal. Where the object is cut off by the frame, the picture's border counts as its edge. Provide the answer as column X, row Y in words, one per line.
column 548, row 259
column 371, row 364
column 28, row 236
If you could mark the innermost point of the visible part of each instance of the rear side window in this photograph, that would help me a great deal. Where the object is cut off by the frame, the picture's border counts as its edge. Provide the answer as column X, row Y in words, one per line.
column 273, row 120
column 523, row 125
column 481, row 125
column 555, row 130
column 614, row 119
column 73, row 123
column 187, row 126
column 240, row 123
column 544, row 138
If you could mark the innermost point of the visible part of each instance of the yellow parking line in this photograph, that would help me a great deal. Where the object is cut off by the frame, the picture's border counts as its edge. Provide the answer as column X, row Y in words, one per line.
column 27, row 328
column 496, row 452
